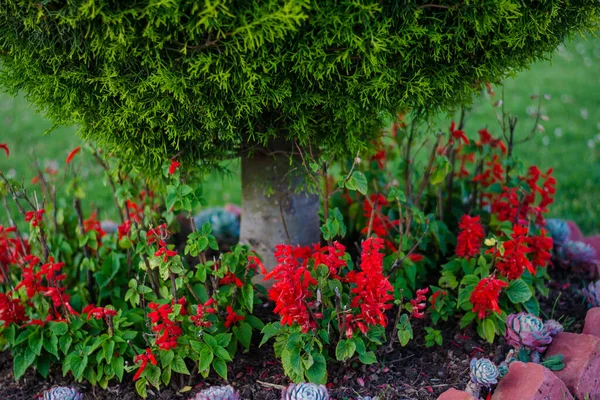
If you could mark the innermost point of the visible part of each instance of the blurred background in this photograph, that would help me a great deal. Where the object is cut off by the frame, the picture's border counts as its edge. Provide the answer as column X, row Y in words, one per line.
column 568, row 138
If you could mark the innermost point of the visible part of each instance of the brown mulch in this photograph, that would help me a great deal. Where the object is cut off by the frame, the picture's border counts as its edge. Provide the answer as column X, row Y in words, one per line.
column 413, row 372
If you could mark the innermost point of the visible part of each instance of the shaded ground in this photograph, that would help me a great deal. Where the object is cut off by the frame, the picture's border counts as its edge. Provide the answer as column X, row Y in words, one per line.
column 413, row 372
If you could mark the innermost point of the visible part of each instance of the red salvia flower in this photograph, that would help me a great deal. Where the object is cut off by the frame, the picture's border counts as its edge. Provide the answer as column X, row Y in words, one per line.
column 168, row 331
column 100, row 313
column 144, row 358
column 230, row 277
column 541, row 248
column 72, row 154
column 434, row 297
column 513, row 262
column 458, row 134
column 254, row 263
column 174, row 166
column 485, row 296
column 232, row 317
column 470, row 237
column 11, row 310
column 330, row 256
column 124, row 229
column 292, row 286
column 201, row 311
column 34, row 217
column 372, row 291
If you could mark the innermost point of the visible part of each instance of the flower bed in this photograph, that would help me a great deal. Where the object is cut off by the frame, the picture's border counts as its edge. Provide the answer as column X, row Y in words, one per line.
column 422, row 260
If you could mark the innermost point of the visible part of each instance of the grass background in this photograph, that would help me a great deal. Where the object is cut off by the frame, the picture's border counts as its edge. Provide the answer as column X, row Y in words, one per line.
column 570, row 142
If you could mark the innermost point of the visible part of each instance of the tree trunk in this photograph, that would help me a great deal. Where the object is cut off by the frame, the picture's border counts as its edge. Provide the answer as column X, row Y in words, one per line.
column 277, row 209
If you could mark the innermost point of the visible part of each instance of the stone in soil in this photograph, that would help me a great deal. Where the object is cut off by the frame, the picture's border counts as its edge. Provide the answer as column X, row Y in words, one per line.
column 592, row 322
column 453, row 394
column 530, row 381
column 582, row 363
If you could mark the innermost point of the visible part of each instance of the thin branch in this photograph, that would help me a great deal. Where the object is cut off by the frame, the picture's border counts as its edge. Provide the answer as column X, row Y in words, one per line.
column 429, row 168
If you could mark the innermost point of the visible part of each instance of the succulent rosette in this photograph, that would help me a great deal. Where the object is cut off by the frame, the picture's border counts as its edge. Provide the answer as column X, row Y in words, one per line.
column 305, row 391
column 553, row 327
column 528, row 331
column 484, row 372
column 559, row 231
column 592, row 294
column 579, row 254
column 62, row 393
column 218, row 393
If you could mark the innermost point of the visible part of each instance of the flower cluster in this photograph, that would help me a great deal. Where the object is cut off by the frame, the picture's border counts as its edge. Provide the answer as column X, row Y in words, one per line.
column 514, row 261
column 485, row 296
column 202, row 311
column 35, row 218
column 470, row 238
column 372, row 290
column 292, row 286
column 144, row 358
column 168, row 330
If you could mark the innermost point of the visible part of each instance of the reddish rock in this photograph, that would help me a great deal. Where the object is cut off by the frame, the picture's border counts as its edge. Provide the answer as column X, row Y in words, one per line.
column 453, row 394
column 582, row 363
column 575, row 232
column 530, row 381
column 592, row 322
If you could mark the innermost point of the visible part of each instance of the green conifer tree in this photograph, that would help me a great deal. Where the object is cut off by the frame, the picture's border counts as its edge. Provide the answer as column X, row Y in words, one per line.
column 262, row 79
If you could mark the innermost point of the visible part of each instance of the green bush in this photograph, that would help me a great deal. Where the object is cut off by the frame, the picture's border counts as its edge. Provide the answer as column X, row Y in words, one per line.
column 203, row 81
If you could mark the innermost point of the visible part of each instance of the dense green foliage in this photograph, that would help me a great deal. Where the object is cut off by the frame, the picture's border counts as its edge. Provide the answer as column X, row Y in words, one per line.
column 208, row 80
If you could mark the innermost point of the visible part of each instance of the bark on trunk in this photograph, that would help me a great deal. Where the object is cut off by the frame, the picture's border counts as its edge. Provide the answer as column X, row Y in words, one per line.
column 276, row 204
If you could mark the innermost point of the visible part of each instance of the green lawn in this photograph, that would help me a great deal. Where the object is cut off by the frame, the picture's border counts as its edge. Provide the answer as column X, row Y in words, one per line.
column 570, row 143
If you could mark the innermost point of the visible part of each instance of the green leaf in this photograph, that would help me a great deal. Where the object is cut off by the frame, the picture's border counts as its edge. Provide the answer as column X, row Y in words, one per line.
column 222, row 353
column 220, row 367
column 78, row 365
column 118, row 364
column 166, row 376
column 19, row 366
column 243, row 333
column 58, row 328
column 35, row 343
column 357, row 181
column 206, row 357
column 51, row 345
column 223, row 339
column 467, row 319
column 518, row 291
column 442, row 168
column 532, row 306
column 489, row 330
column 367, row 358
column 317, row 373
column 292, row 364
column 179, row 366
column 140, row 387
column 248, row 297
column 345, row 350
column 269, row 331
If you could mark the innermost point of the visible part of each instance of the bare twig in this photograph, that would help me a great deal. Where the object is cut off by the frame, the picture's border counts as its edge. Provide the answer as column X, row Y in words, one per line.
column 429, row 168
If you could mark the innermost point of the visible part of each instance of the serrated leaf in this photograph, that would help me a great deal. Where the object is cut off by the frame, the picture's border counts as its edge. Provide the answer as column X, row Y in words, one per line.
column 367, row 358
column 178, row 365
column 518, row 291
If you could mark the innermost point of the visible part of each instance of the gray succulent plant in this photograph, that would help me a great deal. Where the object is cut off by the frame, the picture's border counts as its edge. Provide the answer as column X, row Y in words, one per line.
column 559, row 230
column 218, row 393
column 305, row 391
column 484, row 372
column 62, row 393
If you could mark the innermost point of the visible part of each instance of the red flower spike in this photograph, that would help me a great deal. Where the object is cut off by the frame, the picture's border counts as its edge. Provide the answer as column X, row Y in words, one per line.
column 470, row 238
column 232, row 317
column 485, row 296
column 458, row 134
column 4, row 147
